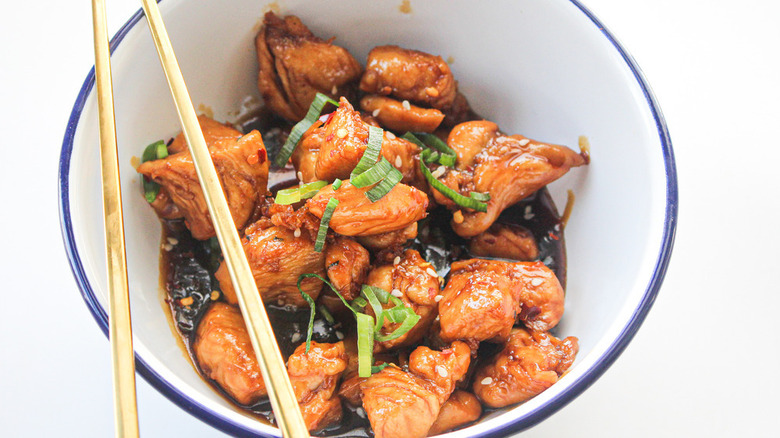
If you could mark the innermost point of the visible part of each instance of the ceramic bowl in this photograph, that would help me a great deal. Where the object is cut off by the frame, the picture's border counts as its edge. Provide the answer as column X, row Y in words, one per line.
column 545, row 68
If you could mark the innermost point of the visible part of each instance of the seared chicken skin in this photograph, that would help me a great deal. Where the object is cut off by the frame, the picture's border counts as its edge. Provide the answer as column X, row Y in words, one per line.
column 295, row 65
column 225, row 354
column 277, row 258
column 314, row 377
column 406, row 403
column 509, row 168
column 409, row 75
column 484, row 298
column 242, row 166
column 415, row 283
column 460, row 409
column 530, row 362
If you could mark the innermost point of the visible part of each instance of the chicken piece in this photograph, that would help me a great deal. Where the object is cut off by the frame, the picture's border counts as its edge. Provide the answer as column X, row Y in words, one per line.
column 213, row 131
column 164, row 206
column 295, row 65
column 416, row 284
column 332, row 149
column 530, row 362
column 356, row 215
column 314, row 377
column 483, row 298
column 507, row 241
column 382, row 241
column 460, row 409
column 459, row 112
column 399, row 117
column 242, row 166
column 225, row 355
column 277, row 258
column 509, row 168
column 409, row 74
column 406, row 404
column 349, row 390
column 347, row 265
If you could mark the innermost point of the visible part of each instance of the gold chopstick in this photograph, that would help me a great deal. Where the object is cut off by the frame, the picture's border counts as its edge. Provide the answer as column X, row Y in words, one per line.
column 280, row 392
column 120, row 328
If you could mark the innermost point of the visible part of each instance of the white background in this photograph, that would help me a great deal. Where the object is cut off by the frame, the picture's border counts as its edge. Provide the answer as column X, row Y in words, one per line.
column 705, row 363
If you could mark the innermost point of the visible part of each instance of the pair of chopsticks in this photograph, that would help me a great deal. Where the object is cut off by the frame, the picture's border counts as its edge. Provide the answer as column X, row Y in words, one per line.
column 280, row 392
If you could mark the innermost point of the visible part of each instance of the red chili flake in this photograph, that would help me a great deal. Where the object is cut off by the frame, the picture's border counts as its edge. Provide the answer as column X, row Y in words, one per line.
column 262, row 155
column 553, row 236
column 330, row 116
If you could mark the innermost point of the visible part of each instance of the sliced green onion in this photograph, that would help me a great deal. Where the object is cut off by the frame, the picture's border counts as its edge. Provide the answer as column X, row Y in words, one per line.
column 396, row 314
column 310, row 329
column 155, row 151
column 301, row 127
column 323, row 230
column 371, row 154
column 480, row 196
column 359, row 302
column 333, row 288
column 337, row 184
column 296, row 194
column 369, row 295
column 384, row 187
column 463, row 201
column 413, row 138
column 377, row 368
column 432, row 141
column 365, row 343
column 381, row 294
column 446, row 156
column 434, row 157
column 373, row 174
column 326, row 314
column 409, row 322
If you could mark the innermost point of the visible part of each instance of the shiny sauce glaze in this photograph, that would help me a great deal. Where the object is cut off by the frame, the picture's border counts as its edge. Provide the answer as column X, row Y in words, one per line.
column 188, row 267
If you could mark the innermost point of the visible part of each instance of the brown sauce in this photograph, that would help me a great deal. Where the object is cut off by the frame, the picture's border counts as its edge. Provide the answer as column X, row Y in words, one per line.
column 188, row 269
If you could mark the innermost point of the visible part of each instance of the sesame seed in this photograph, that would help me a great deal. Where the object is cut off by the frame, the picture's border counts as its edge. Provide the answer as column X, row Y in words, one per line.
column 397, row 260
column 173, row 241
column 487, row 381
column 341, row 133
column 390, row 135
column 296, row 337
column 524, row 142
column 300, row 175
column 407, row 106
column 334, row 90
column 432, row 272
column 547, row 260
column 167, row 247
column 442, row 371
column 398, row 161
column 375, row 113
column 528, row 214
column 396, row 293
column 438, row 172
column 438, row 298
column 361, row 413
column 339, row 335
column 536, row 282
column 297, row 232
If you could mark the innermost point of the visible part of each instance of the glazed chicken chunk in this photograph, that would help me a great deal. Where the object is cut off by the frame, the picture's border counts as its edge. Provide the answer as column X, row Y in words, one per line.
column 484, row 298
column 314, row 377
column 460, row 409
column 509, row 168
column 356, row 215
column 347, row 265
column 530, row 362
column 415, row 283
column 406, row 403
column 400, row 117
column 508, row 241
column 295, row 65
column 213, row 131
column 242, row 166
column 409, row 75
column 225, row 354
column 277, row 258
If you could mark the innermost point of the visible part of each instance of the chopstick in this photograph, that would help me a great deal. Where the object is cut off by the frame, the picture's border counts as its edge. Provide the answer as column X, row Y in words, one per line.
column 280, row 392
column 120, row 328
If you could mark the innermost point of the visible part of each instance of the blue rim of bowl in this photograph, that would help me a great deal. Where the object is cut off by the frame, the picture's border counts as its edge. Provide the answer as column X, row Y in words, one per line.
column 518, row 424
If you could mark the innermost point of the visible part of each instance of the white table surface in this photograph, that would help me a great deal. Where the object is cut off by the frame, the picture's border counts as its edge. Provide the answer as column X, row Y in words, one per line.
column 705, row 362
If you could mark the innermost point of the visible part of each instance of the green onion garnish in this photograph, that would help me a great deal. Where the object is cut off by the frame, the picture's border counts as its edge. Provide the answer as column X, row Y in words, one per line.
column 371, row 154
column 372, row 299
column 377, row 368
column 373, row 174
column 310, row 329
column 384, row 186
column 359, row 302
column 480, row 196
column 434, row 157
column 326, row 314
column 323, row 230
column 446, row 156
column 301, row 127
column 365, row 343
column 407, row 324
column 463, row 201
column 337, row 184
column 154, row 151
column 296, row 194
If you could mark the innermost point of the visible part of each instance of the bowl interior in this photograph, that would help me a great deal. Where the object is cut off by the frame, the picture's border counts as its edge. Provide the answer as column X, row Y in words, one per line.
column 542, row 68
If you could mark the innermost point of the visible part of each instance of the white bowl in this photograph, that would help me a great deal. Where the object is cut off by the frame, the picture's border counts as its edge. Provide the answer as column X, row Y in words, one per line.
column 544, row 68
